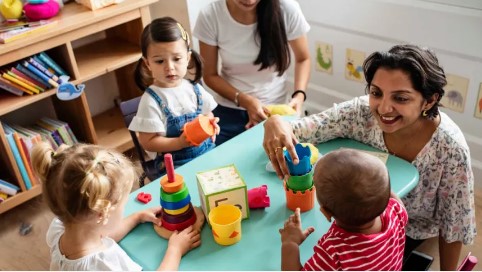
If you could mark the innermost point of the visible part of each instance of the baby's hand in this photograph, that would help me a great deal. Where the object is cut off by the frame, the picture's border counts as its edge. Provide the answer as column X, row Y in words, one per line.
column 292, row 232
column 150, row 215
column 185, row 240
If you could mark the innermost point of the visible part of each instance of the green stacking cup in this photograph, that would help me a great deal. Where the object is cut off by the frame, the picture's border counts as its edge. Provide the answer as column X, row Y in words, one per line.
column 301, row 183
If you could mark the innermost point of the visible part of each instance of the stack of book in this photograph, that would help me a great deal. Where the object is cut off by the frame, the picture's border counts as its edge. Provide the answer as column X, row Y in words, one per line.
column 7, row 189
column 22, row 139
column 31, row 76
column 11, row 31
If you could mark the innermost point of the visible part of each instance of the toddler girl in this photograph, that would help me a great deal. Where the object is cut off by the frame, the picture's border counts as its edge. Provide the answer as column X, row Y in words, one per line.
column 87, row 187
column 169, row 100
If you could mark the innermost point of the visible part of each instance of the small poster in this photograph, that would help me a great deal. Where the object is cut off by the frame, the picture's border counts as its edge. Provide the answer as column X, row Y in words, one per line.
column 324, row 57
column 353, row 66
column 455, row 93
column 478, row 104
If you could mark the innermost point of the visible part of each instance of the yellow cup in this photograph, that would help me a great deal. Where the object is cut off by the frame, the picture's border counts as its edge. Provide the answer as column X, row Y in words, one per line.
column 225, row 222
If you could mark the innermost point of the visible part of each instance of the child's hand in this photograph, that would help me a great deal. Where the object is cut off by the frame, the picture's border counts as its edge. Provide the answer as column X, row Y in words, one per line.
column 292, row 232
column 214, row 121
column 150, row 215
column 185, row 240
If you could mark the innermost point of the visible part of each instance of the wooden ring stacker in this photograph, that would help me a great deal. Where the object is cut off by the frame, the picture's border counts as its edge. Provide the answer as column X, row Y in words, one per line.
column 165, row 233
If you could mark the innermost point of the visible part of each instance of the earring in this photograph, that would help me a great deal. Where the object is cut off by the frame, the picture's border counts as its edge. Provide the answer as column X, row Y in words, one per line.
column 424, row 113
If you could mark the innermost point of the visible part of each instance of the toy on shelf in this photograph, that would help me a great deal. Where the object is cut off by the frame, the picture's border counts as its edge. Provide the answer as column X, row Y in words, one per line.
column 11, row 9
column 177, row 211
column 223, row 185
column 67, row 90
column 41, row 9
column 280, row 109
column 226, row 224
column 198, row 130
column 299, row 189
column 258, row 197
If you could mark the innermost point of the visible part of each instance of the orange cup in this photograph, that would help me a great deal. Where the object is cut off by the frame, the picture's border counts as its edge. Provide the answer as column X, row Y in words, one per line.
column 305, row 200
column 198, row 130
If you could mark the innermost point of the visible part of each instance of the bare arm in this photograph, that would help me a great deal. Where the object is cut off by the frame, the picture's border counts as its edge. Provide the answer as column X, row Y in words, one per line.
column 156, row 143
column 290, row 257
column 179, row 244
column 130, row 222
column 222, row 87
column 449, row 254
column 302, row 69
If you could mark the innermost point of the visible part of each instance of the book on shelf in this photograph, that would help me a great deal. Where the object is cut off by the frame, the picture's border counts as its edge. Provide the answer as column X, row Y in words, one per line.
column 63, row 128
column 12, row 80
column 27, row 84
column 8, row 188
column 26, row 30
column 34, row 82
column 52, row 64
column 9, row 132
column 39, row 73
column 9, row 87
column 43, row 69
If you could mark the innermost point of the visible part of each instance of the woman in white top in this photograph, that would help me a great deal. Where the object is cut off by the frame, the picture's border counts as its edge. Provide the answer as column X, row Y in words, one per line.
column 253, row 39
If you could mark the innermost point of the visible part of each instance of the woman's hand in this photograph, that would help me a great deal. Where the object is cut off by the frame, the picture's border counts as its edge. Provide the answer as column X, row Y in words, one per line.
column 278, row 134
column 256, row 111
column 297, row 103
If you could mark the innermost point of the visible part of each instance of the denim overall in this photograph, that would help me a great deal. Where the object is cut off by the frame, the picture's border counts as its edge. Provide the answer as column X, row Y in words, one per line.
column 174, row 126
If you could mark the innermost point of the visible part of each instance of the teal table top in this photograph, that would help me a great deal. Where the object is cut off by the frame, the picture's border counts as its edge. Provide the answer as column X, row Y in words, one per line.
column 260, row 245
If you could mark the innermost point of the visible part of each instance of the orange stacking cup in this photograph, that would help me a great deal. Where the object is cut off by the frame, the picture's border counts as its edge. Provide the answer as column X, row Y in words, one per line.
column 305, row 200
column 198, row 130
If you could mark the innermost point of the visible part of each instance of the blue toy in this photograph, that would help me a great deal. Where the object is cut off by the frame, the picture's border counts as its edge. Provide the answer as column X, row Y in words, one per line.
column 68, row 91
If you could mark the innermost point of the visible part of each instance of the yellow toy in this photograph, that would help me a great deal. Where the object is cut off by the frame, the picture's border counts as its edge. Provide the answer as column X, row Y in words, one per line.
column 280, row 109
column 11, row 9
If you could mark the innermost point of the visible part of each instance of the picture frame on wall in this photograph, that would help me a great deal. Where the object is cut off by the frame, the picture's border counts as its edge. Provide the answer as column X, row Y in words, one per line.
column 478, row 104
column 455, row 93
column 324, row 57
column 354, row 65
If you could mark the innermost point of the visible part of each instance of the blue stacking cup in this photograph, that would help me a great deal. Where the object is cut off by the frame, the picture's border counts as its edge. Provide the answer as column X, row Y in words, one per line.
column 304, row 155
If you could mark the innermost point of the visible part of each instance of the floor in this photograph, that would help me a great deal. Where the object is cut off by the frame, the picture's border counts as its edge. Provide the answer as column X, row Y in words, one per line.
column 30, row 252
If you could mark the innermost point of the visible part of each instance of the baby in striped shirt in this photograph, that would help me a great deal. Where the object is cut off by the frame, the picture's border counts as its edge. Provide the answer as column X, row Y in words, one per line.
column 368, row 231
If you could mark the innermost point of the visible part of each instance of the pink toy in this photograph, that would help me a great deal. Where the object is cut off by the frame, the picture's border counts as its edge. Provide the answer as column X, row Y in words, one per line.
column 144, row 197
column 258, row 197
column 41, row 11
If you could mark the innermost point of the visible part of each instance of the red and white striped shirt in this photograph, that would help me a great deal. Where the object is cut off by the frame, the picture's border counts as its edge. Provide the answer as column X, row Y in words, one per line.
column 342, row 250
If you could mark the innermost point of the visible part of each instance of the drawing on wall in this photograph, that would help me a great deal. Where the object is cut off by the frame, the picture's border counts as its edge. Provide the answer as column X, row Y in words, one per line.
column 324, row 57
column 353, row 67
column 455, row 93
column 478, row 105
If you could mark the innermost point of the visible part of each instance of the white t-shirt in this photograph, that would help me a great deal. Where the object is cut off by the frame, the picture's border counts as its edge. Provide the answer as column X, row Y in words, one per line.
column 238, row 49
column 113, row 258
column 180, row 100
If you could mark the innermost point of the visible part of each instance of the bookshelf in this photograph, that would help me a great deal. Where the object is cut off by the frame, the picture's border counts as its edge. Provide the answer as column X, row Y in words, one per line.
column 119, row 27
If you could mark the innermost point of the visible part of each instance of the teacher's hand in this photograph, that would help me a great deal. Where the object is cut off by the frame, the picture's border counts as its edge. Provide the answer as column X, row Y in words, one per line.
column 297, row 104
column 278, row 134
column 256, row 111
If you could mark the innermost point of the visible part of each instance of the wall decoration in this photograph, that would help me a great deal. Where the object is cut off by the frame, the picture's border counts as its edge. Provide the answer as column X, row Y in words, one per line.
column 478, row 104
column 324, row 57
column 455, row 93
column 353, row 65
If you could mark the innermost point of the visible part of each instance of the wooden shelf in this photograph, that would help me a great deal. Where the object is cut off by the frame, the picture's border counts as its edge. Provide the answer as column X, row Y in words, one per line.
column 104, row 56
column 9, row 102
column 112, row 131
column 20, row 198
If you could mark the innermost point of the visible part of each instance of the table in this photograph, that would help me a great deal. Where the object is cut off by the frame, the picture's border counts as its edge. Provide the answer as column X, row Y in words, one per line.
column 260, row 245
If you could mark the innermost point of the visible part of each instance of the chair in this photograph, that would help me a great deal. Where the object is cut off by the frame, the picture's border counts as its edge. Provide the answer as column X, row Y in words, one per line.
column 129, row 110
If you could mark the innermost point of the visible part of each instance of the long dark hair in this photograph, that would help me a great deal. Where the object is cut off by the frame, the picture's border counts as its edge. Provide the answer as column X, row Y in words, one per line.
column 271, row 30
column 165, row 29
column 421, row 64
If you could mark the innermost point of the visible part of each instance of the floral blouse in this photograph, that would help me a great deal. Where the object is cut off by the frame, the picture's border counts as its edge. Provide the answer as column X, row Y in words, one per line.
column 443, row 201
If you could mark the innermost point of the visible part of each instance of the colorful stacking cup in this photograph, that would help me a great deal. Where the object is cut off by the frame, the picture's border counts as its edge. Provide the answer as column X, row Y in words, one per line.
column 225, row 221
column 198, row 130
column 305, row 200
column 304, row 155
column 301, row 183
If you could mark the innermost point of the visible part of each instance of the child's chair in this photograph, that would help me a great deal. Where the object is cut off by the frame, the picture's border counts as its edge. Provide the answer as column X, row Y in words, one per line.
column 129, row 110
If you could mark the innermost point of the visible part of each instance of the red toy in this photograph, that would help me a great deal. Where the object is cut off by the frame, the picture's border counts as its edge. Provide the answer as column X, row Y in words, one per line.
column 258, row 197
column 144, row 197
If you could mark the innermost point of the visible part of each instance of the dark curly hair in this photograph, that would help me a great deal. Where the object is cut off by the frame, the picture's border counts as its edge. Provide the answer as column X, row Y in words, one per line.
column 422, row 66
